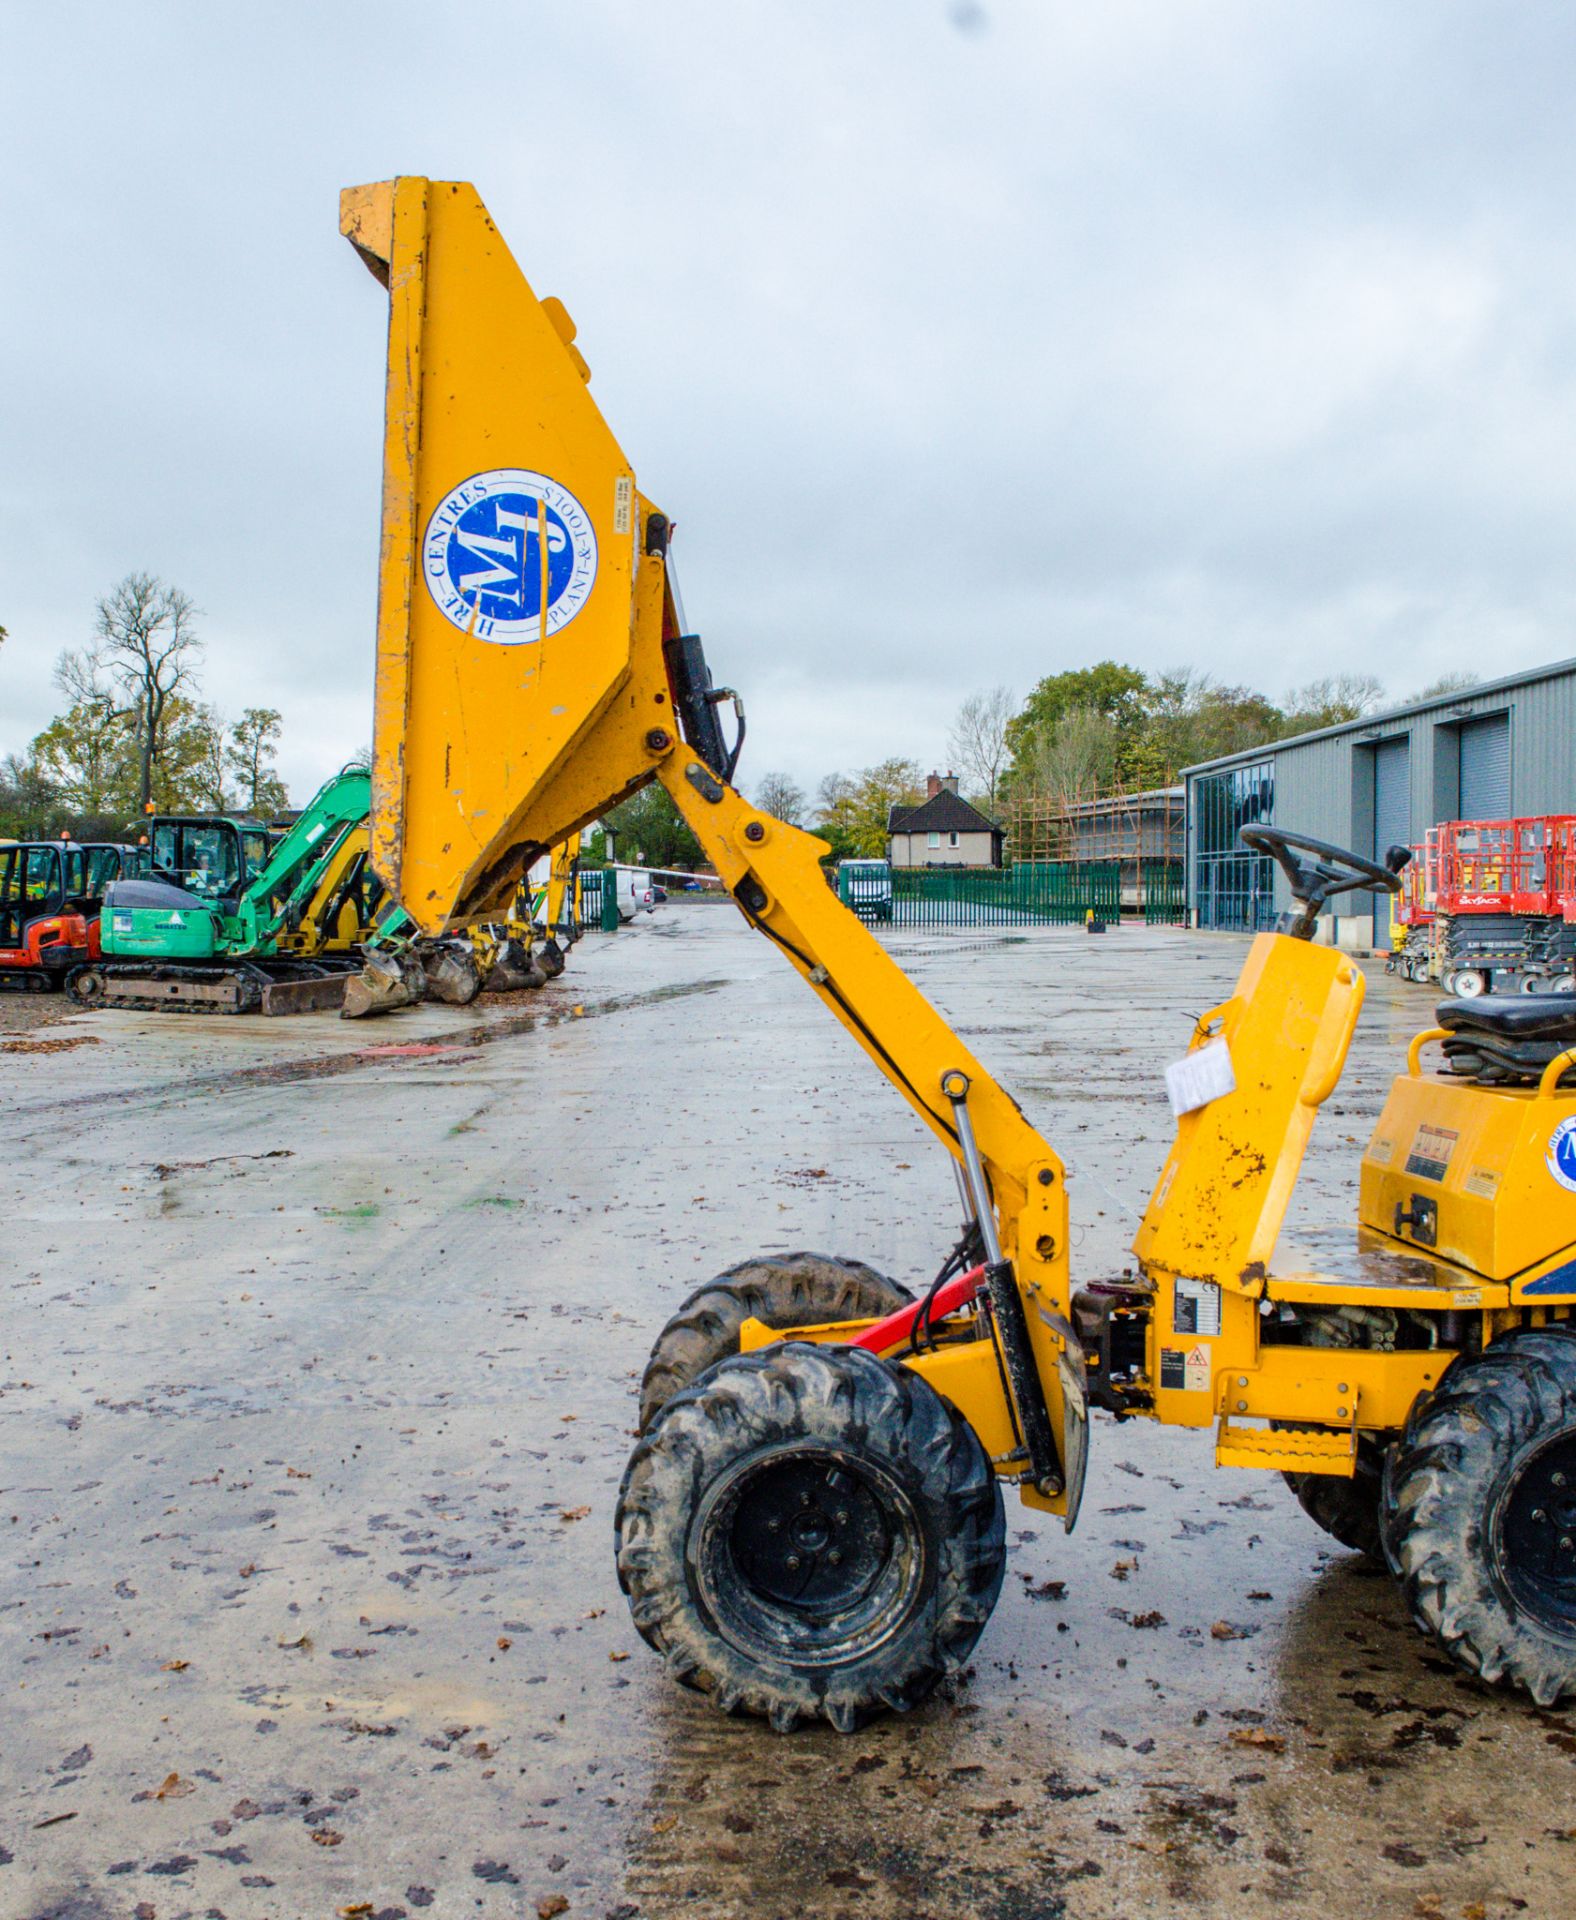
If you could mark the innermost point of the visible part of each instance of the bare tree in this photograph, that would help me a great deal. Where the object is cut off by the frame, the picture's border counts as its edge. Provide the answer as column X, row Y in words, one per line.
column 978, row 740
column 150, row 644
column 1077, row 759
column 1448, row 683
column 1333, row 700
column 781, row 796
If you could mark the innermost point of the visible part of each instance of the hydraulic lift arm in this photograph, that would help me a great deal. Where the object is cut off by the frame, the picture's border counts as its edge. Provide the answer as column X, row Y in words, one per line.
column 533, row 669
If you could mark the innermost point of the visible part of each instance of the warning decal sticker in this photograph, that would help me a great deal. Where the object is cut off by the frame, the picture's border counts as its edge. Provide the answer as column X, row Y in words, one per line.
column 1431, row 1151
column 1185, row 1369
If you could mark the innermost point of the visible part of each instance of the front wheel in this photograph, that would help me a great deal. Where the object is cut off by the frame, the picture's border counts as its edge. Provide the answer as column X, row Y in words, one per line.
column 811, row 1532
column 1469, row 984
column 1479, row 1512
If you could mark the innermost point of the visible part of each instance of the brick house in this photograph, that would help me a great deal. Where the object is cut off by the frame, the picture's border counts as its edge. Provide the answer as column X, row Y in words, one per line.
column 943, row 830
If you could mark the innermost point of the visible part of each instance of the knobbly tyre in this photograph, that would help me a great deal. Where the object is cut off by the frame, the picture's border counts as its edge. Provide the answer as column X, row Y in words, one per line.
column 811, row 1523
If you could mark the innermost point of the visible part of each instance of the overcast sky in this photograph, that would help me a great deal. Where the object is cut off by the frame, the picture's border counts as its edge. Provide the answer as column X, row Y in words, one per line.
column 965, row 343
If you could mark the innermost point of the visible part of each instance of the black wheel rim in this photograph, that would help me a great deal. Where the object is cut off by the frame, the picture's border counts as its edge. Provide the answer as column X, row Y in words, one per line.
column 1537, row 1535
column 808, row 1555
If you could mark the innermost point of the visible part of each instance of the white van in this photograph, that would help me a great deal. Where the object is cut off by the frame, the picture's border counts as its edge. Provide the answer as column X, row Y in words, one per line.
column 866, row 887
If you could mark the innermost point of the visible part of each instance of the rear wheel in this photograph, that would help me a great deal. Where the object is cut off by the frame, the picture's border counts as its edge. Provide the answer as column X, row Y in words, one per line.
column 811, row 1532
column 782, row 1290
column 1479, row 1512
column 1469, row 984
column 1347, row 1510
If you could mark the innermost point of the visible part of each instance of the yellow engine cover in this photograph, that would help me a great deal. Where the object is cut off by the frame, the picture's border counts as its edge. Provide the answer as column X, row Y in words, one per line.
column 1479, row 1168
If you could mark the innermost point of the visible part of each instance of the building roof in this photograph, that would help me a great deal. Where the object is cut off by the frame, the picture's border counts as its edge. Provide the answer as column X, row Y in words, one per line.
column 944, row 812
column 1365, row 723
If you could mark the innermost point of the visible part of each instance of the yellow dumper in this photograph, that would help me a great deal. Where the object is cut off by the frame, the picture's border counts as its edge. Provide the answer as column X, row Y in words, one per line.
column 811, row 1523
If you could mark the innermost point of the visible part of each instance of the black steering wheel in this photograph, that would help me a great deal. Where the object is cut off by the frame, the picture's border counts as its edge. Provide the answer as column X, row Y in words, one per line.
column 1323, row 872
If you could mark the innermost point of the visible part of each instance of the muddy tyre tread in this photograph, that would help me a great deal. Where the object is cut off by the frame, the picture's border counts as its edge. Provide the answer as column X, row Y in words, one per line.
column 783, row 1290
column 1441, row 1481
column 1347, row 1510
column 791, row 1394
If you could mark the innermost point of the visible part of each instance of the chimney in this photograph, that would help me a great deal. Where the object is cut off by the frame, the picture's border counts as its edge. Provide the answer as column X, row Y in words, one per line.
column 951, row 783
column 932, row 785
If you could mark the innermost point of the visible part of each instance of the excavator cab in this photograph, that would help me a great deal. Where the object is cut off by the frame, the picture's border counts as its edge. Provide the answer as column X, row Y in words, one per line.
column 43, row 929
column 812, row 1524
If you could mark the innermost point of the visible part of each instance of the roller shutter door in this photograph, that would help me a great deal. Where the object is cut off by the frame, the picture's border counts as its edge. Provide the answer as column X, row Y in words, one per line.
column 1485, row 768
column 1392, row 817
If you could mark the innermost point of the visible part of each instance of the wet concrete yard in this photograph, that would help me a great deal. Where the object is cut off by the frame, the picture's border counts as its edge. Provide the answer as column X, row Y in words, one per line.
column 317, row 1370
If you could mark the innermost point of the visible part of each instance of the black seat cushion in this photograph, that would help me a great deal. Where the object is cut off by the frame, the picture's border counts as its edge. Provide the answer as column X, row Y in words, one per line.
column 1527, row 1016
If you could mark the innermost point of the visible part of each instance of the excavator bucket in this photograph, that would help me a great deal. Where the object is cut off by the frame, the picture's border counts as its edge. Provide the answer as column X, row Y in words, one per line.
column 387, row 981
column 509, row 705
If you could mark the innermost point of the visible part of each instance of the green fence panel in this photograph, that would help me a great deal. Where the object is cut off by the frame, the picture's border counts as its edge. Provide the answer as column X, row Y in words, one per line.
column 1032, row 893
column 1164, row 893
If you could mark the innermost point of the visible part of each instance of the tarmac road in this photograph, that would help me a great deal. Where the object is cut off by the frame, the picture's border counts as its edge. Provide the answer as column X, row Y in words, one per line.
column 316, row 1379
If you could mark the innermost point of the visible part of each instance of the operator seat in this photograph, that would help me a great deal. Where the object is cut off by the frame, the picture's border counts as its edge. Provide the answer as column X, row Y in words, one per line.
column 1507, row 1042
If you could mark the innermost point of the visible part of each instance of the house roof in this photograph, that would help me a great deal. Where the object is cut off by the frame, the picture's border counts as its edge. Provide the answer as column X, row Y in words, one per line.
column 945, row 812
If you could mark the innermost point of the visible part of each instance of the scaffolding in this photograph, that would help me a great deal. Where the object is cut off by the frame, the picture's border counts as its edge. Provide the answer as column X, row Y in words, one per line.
column 1142, row 830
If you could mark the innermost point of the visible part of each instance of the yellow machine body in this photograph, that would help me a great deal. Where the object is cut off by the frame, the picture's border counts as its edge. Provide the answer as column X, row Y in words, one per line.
column 1462, row 1172
column 342, row 910
column 527, row 627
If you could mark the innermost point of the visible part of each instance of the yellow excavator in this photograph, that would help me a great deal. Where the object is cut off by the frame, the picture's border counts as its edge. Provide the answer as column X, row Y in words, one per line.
column 811, row 1524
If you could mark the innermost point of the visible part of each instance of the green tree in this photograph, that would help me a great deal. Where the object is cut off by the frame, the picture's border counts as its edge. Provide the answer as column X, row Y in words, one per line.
column 1075, row 758
column 86, row 755
column 210, row 764
column 1113, row 691
column 649, row 831
column 29, row 804
column 854, row 810
column 249, row 754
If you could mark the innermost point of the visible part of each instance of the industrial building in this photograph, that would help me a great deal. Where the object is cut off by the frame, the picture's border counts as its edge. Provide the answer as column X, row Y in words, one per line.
column 1505, row 748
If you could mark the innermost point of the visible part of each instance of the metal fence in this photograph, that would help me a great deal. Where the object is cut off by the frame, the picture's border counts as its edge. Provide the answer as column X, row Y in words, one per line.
column 1162, row 887
column 1032, row 893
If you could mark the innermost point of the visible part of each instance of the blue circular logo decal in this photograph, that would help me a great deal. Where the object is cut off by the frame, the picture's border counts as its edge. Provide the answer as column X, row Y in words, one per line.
column 509, row 555
column 1562, row 1153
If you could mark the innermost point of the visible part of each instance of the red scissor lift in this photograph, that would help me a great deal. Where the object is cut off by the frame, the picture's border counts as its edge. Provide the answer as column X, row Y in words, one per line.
column 1505, row 905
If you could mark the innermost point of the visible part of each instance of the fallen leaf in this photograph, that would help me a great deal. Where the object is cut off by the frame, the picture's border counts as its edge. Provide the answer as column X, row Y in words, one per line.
column 596, row 1613
column 573, row 1513
column 551, row 1904
column 618, row 1656
column 249, row 1569
column 1257, row 1737
column 357, row 1910
column 174, row 1788
column 175, row 1666
column 1229, row 1630
column 666, row 1824
column 1123, row 1568
column 326, row 1837
column 504, row 1643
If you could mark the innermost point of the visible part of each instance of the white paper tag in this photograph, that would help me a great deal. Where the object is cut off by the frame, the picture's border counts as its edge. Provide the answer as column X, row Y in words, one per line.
column 1200, row 1076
